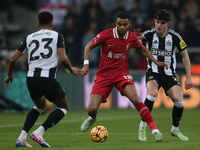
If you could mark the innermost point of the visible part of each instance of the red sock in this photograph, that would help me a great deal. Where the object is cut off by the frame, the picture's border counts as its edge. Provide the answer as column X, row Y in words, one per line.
column 93, row 116
column 146, row 115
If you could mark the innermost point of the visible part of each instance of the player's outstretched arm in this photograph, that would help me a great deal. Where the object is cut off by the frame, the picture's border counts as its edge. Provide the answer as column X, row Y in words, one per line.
column 87, row 53
column 66, row 62
column 11, row 66
column 147, row 54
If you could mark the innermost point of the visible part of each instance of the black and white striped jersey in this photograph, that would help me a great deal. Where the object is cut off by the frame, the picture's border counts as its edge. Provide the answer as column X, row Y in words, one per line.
column 42, row 52
column 163, row 49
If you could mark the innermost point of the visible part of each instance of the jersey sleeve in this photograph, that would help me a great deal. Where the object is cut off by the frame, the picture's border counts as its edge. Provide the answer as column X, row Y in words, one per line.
column 180, row 43
column 61, row 41
column 22, row 48
column 137, row 43
column 99, row 39
column 147, row 35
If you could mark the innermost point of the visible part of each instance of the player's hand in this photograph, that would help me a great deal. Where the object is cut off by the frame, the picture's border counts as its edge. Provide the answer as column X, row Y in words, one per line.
column 85, row 70
column 8, row 80
column 188, row 83
column 76, row 71
column 138, row 34
column 162, row 64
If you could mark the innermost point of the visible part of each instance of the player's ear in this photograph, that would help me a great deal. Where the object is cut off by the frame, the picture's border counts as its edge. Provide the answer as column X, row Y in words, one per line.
column 39, row 25
column 168, row 23
column 51, row 24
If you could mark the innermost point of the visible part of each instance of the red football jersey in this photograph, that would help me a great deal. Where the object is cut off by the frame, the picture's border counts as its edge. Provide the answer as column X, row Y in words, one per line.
column 114, row 51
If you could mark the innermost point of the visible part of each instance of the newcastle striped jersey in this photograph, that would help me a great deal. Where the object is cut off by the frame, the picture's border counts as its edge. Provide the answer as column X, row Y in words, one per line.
column 163, row 49
column 42, row 52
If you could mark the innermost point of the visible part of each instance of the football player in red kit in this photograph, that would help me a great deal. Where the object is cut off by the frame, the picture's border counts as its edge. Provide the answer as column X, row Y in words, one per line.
column 113, row 70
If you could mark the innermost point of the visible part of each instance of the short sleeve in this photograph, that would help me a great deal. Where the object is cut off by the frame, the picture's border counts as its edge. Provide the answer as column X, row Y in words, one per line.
column 180, row 43
column 99, row 39
column 61, row 41
column 22, row 48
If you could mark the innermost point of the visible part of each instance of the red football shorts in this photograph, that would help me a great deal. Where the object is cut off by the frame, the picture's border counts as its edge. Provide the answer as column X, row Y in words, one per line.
column 104, row 85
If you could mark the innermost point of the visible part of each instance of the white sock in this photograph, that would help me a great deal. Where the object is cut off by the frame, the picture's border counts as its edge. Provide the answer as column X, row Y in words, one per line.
column 174, row 128
column 22, row 136
column 143, row 124
column 40, row 131
column 155, row 130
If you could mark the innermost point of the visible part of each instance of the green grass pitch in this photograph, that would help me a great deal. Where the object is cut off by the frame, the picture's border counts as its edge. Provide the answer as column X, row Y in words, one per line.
column 122, row 126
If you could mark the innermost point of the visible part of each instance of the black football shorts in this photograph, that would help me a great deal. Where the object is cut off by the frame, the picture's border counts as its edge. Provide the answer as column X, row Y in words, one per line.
column 163, row 80
column 50, row 88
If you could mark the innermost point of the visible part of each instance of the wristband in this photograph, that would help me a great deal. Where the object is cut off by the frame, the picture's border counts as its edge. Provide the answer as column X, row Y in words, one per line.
column 86, row 62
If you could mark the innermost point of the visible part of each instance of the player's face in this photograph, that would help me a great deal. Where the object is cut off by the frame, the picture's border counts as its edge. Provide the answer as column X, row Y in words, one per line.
column 122, row 26
column 161, row 27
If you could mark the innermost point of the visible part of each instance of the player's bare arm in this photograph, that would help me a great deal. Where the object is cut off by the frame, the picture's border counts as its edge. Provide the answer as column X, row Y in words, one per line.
column 66, row 62
column 187, row 65
column 11, row 65
column 147, row 54
column 87, row 53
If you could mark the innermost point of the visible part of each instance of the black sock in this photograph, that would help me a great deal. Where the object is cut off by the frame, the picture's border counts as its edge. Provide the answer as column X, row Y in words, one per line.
column 149, row 104
column 30, row 119
column 53, row 119
column 176, row 115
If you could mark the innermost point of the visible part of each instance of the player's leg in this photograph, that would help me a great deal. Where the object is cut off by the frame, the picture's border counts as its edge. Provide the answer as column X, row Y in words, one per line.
column 53, row 92
column 152, row 91
column 176, row 94
column 32, row 116
column 94, row 103
column 53, row 118
column 100, row 91
column 131, row 93
column 30, row 121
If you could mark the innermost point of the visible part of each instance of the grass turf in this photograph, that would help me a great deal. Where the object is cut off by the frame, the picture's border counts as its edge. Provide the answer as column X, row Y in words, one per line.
column 122, row 126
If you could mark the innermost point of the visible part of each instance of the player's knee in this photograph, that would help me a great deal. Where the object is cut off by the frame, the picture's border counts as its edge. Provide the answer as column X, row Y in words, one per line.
column 151, row 98
column 135, row 100
column 179, row 104
column 153, row 93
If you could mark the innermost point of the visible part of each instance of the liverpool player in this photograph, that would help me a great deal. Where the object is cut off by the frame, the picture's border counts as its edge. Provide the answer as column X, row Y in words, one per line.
column 113, row 70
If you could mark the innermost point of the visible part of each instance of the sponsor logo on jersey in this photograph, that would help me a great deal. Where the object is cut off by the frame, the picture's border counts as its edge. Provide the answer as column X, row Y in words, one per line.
column 116, row 55
column 182, row 44
column 160, row 52
column 110, row 45
column 110, row 54
column 96, row 38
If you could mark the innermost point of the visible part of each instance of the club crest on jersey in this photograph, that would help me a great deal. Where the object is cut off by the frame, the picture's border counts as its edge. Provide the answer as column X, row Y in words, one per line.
column 127, row 46
column 169, row 43
column 96, row 38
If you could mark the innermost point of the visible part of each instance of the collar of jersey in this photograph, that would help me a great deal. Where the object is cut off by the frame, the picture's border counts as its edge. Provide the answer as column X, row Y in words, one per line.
column 115, row 34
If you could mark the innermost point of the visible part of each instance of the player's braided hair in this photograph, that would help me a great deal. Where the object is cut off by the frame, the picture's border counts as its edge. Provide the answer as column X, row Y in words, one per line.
column 163, row 14
column 45, row 17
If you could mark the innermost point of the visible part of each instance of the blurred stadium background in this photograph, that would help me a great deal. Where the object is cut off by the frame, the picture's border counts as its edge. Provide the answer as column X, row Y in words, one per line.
column 79, row 21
